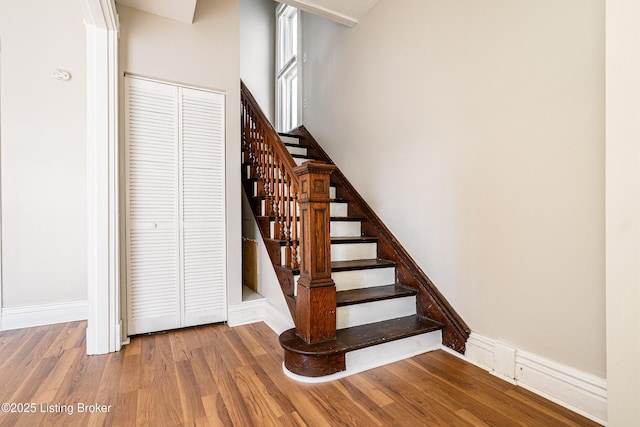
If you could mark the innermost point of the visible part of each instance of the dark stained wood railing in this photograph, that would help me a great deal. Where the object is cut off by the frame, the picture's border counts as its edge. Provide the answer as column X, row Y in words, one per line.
column 287, row 189
column 275, row 167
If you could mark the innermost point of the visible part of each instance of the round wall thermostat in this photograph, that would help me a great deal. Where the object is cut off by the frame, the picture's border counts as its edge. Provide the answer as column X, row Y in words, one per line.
column 61, row 75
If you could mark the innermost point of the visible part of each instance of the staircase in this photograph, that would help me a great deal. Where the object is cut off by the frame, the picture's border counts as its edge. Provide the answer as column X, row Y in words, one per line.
column 358, row 300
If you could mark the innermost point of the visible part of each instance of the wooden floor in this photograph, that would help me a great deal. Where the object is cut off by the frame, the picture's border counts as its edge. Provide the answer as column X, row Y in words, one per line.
column 219, row 376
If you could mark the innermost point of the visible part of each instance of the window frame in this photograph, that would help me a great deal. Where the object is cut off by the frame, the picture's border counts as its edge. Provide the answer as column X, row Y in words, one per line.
column 288, row 71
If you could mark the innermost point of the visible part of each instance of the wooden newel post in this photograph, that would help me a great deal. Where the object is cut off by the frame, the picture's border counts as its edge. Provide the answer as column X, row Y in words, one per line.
column 316, row 300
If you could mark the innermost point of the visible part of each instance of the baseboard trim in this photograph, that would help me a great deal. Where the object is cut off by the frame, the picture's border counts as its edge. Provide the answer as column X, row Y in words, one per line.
column 278, row 321
column 258, row 311
column 246, row 312
column 44, row 314
column 581, row 392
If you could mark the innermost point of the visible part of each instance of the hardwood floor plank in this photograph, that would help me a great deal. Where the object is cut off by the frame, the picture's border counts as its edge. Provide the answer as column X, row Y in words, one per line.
column 222, row 369
column 130, row 373
column 125, row 409
column 439, row 390
column 258, row 406
column 108, row 389
column 190, row 393
column 216, row 411
column 49, row 385
column 218, row 376
column 206, row 384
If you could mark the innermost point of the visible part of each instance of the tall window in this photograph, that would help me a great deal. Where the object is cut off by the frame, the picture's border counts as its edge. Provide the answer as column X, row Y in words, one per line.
column 287, row 101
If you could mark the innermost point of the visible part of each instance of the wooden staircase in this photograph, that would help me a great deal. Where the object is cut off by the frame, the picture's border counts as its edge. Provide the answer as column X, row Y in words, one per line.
column 356, row 297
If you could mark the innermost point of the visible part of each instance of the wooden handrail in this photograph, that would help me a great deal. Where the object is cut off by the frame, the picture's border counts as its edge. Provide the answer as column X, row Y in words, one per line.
column 287, row 189
column 275, row 167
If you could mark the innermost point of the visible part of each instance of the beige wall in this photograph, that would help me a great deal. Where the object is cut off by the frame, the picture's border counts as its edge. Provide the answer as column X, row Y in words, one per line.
column 257, row 51
column 476, row 131
column 257, row 69
column 205, row 54
column 43, row 153
column 623, row 212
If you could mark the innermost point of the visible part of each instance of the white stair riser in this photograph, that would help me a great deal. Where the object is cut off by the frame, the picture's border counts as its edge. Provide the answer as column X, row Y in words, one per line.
column 336, row 209
column 301, row 151
column 346, row 229
column 332, row 191
column 339, row 209
column 337, row 229
column 300, row 161
column 290, row 139
column 379, row 355
column 353, row 251
column 376, row 311
column 358, row 279
column 369, row 278
column 345, row 252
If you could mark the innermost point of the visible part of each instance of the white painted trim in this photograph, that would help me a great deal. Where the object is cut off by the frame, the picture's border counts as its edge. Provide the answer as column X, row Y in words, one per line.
column 259, row 311
column 307, row 6
column 43, row 314
column 378, row 355
column 277, row 320
column 103, row 265
column 581, row 392
column 246, row 312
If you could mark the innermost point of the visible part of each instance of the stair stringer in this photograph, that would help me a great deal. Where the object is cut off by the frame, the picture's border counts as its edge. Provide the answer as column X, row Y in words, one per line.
column 430, row 302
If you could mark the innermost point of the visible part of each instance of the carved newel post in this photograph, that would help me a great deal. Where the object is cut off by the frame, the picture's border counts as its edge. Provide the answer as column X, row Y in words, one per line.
column 316, row 300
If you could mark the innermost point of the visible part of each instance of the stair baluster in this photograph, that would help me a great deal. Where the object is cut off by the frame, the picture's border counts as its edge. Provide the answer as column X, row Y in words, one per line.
column 284, row 188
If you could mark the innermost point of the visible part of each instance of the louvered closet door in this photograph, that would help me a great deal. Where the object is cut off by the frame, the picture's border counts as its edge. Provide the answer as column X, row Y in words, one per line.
column 175, row 207
column 152, row 229
column 203, row 209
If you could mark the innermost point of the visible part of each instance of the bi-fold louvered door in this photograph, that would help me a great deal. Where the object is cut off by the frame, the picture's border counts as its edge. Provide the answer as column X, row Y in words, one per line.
column 175, row 206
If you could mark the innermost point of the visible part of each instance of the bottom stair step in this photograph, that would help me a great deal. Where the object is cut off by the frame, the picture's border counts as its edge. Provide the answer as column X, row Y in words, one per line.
column 327, row 358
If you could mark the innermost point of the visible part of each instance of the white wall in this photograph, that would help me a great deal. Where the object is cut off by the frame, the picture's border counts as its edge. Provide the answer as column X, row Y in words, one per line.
column 623, row 212
column 257, row 69
column 42, row 141
column 475, row 129
column 257, row 51
column 205, row 54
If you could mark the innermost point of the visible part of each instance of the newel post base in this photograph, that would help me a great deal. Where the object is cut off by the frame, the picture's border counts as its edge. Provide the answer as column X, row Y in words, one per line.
column 316, row 291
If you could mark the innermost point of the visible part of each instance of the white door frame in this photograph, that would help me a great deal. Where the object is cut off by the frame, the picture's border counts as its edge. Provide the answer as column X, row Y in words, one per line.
column 103, row 252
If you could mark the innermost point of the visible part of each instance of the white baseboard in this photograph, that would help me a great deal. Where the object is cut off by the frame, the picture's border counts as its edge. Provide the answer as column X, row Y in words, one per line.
column 259, row 311
column 246, row 312
column 277, row 320
column 43, row 314
column 576, row 390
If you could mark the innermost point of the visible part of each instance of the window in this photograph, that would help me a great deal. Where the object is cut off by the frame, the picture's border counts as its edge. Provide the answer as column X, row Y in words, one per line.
column 287, row 82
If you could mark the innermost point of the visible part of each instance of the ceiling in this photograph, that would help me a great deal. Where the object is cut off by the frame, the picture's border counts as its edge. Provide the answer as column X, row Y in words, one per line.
column 346, row 12
column 180, row 10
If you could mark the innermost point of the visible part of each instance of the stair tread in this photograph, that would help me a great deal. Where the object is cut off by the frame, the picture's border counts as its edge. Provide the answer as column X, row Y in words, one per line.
column 361, row 264
column 290, row 144
column 354, row 239
column 357, row 264
column 376, row 293
column 332, row 200
column 333, row 218
column 341, row 240
column 358, row 337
